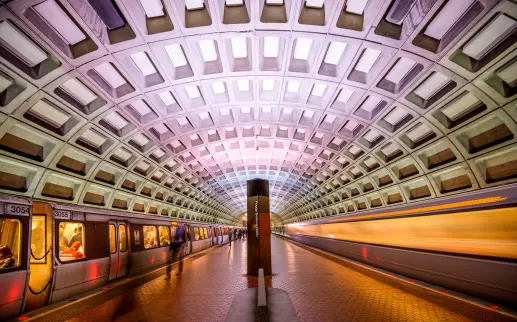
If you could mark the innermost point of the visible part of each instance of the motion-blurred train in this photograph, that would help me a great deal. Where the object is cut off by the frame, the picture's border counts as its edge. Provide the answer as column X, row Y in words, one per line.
column 466, row 242
column 58, row 251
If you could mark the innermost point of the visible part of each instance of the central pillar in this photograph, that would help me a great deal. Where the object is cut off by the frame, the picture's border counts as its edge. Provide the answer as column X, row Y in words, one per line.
column 259, row 228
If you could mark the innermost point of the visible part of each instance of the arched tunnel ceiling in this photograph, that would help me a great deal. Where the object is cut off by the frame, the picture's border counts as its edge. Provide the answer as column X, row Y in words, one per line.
column 341, row 105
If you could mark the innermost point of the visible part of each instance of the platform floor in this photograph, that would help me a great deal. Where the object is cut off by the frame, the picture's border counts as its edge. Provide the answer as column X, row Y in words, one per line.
column 321, row 290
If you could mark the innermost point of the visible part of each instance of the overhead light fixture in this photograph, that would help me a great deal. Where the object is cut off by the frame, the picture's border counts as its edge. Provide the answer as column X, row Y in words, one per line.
column 344, row 95
column 432, row 85
column 110, row 75
column 318, row 89
column 334, row 52
column 239, row 47
column 448, row 16
column 355, row 6
column 218, row 88
column 302, row 48
column 192, row 92
column 243, row 85
column 268, row 84
column 491, row 35
column 194, row 4
column 52, row 13
column 402, row 67
column 271, row 47
column 20, row 45
column 176, row 55
column 143, row 63
column 152, row 8
column 367, row 60
column 141, row 107
column 167, row 98
column 208, row 50
column 293, row 86
column 78, row 91
column 49, row 114
column 115, row 120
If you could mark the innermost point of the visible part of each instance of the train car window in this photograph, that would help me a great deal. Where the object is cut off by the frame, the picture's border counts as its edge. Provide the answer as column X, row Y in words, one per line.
column 205, row 233
column 196, row 233
column 165, row 239
column 150, row 237
column 122, row 238
column 113, row 241
column 71, row 241
column 173, row 231
column 10, row 243
column 38, row 240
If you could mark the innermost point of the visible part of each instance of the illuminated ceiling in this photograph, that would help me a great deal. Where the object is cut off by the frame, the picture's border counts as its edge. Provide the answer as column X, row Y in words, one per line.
column 171, row 106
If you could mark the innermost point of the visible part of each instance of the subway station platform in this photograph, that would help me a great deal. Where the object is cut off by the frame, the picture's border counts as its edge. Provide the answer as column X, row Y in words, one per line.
column 321, row 287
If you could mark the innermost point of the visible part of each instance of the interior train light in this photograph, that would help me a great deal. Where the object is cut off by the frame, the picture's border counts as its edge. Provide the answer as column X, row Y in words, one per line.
column 367, row 60
column 79, row 91
column 239, row 47
column 447, row 18
column 52, row 13
column 152, row 8
column 194, row 4
column 167, row 98
column 115, row 120
column 482, row 43
column 302, row 48
column 400, row 70
column 110, row 75
column 176, row 55
column 334, row 52
column 271, row 46
column 432, row 85
column 243, row 85
column 49, row 114
column 356, row 6
column 20, row 45
column 208, row 51
column 218, row 88
column 143, row 63
column 319, row 89
column 192, row 92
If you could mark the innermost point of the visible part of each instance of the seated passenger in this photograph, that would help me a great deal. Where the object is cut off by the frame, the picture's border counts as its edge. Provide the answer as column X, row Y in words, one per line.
column 7, row 259
column 164, row 240
column 74, row 250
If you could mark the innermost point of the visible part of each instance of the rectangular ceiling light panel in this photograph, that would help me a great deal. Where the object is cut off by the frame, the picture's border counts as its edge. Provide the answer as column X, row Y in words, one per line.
column 208, row 51
column 356, row 6
column 143, row 63
column 432, row 85
column 176, row 55
column 367, row 60
column 447, row 18
column 483, row 42
column 239, row 47
column 271, row 47
column 334, row 52
column 79, row 91
column 52, row 13
column 152, row 8
column 110, row 75
column 49, row 114
column 20, row 45
column 400, row 70
column 302, row 48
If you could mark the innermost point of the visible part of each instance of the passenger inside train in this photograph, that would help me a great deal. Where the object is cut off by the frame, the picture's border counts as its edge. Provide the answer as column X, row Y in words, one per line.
column 71, row 241
column 10, row 230
column 7, row 259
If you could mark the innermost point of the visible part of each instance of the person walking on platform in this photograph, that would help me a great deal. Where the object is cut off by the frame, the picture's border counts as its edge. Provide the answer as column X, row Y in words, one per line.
column 230, row 237
column 177, row 248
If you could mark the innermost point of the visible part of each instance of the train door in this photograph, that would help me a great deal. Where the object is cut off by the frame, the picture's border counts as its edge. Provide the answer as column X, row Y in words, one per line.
column 118, row 249
column 41, row 257
column 188, row 248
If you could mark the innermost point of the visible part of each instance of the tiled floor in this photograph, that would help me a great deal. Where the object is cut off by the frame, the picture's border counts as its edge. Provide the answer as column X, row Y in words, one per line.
column 321, row 290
